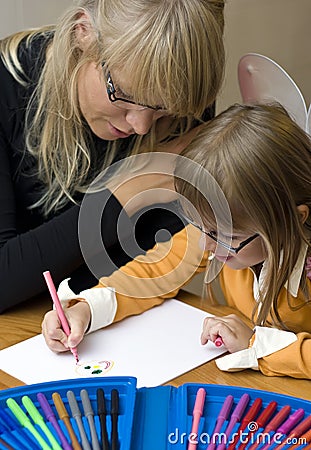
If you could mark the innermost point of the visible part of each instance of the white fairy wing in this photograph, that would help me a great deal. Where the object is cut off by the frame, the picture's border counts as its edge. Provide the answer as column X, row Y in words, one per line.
column 263, row 80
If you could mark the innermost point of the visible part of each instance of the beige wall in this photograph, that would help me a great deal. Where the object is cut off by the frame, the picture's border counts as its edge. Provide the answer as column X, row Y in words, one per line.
column 21, row 14
column 279, row 29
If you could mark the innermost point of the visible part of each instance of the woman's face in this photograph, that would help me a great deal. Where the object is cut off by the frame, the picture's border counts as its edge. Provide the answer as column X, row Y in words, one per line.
column 106, row 120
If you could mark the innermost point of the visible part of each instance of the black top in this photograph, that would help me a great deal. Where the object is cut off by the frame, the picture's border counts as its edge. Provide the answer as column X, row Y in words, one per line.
column 31, row 243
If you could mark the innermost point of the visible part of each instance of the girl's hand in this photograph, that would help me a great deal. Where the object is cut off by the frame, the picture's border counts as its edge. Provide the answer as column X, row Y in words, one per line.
column 234, row 332
column 78, row 317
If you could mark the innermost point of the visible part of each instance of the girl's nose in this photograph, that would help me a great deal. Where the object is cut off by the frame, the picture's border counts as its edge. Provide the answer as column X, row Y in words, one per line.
column 140, row 120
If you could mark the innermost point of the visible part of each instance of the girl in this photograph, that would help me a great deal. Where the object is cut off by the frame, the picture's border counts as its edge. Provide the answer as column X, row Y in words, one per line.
column 261, row 161
column 254, row 164
column 112, row 79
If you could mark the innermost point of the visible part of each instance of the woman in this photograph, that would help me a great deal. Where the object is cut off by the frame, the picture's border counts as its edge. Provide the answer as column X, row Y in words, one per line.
column 112, row 79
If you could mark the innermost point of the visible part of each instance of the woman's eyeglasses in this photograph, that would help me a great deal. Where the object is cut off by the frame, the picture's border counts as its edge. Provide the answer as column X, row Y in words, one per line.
column 212, row 235
column 123, row 102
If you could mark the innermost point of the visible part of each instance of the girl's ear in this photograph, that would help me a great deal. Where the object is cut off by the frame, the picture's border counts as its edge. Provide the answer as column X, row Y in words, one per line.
column 303, row 211
column 84, row 32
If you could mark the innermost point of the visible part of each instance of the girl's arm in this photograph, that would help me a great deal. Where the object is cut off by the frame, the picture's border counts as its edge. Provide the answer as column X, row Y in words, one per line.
column 140, row 285
column 273, row 351
column 293, row 360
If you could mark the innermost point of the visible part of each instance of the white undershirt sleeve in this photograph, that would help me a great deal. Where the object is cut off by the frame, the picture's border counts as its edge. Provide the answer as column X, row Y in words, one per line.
column 267, row 341
column 102, row 303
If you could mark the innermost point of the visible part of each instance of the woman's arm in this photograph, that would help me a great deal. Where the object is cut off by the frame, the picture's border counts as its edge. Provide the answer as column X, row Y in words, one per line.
column 52, row 245
column 55, row 245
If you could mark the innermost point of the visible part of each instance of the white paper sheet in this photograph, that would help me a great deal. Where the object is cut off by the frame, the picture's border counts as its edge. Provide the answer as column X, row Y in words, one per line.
column 154, row 347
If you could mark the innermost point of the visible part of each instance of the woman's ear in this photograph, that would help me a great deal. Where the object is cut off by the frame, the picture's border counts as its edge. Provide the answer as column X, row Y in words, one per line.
column 84, row 32
column 303, row 211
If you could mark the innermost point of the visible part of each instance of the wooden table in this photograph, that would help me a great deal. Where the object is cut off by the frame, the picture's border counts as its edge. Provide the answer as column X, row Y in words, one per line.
column 24, row 321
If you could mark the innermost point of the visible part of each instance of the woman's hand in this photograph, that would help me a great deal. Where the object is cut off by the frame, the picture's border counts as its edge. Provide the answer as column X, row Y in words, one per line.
column 78, row 316
column 234, row 332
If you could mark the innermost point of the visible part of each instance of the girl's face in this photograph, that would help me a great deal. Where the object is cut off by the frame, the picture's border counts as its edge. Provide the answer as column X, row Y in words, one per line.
column 106, row 120
column 251, row 254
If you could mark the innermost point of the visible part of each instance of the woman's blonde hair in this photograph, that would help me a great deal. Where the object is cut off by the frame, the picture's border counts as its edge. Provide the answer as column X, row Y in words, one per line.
column 261, row 160
column 173, row 51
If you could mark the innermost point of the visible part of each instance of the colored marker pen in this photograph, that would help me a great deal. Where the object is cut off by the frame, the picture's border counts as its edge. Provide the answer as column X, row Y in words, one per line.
column 76, row 414
column 249, row 417
column 102, row 414
column 25, row 422
column 261, row 422
column 218, row 341
column 114, row 419
column 271, row 428
column 49, row 414
column 64, row 416
column 306, row 437
column 222, row 417
column 196, row 414
column 286, row 427
column 59, row 310
column 297, row 432
column 38, row 420
column 8, row 438
column 8, row 424
column 235, row 417
column 89, row 414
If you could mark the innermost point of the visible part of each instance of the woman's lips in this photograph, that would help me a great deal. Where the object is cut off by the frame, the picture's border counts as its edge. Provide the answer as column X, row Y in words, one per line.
column 118, row 133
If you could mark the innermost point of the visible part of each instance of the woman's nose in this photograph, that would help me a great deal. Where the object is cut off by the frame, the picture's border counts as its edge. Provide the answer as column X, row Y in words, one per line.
column 140, row 120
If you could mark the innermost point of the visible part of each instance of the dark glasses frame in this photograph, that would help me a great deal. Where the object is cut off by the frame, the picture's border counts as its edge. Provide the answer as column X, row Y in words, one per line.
column 235, row 250
column 111, row 90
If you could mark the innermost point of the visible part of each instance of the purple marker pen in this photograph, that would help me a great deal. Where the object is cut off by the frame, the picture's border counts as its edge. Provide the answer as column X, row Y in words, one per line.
column 235, row 417
column 48, row 412
column 289, row 424
column 222, row 416
column 283, row 431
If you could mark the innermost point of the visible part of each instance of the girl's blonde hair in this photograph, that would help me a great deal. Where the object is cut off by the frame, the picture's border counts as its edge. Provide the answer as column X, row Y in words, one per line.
column 173, row 51
column 261, row 160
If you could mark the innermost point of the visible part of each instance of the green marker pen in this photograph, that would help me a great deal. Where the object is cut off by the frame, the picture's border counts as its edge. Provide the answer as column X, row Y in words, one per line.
column 25, row 422
column 38, row 420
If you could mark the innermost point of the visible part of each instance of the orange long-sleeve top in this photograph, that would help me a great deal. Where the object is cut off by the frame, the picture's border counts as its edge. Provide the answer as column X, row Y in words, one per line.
column 149, row 280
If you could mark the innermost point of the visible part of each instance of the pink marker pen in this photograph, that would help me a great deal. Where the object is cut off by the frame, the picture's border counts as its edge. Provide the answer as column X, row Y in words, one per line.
column 197, row 414
column 218, row 341
column 59, row 310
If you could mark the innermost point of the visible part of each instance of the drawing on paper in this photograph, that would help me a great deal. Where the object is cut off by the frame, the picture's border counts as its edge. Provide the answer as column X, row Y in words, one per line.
column 93, row 368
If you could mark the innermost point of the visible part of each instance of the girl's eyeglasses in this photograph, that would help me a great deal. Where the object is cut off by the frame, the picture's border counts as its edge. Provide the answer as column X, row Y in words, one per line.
column 212, row 235
column 123, row 102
